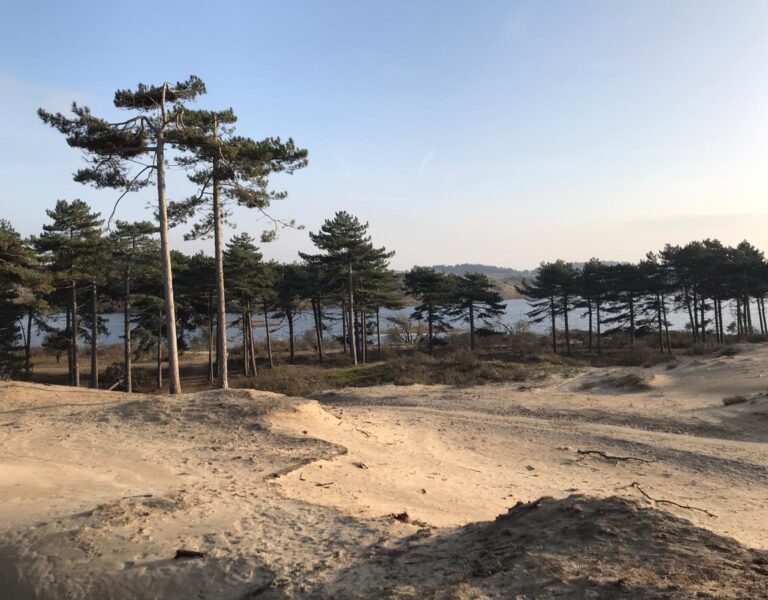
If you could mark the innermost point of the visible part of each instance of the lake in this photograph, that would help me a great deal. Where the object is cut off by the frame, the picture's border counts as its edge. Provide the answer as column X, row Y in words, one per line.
column 515, row 312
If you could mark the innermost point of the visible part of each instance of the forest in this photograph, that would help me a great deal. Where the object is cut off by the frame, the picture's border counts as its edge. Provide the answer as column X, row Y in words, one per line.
column 81, row 263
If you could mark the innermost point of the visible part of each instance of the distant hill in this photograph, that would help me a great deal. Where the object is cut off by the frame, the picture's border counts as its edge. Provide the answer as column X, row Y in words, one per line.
column 491, row 271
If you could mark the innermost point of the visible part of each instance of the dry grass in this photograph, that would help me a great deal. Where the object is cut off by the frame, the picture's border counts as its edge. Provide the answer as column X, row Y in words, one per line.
column 630, row 382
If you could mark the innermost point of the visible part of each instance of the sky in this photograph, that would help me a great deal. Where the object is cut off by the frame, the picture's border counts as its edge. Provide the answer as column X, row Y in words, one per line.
column 504, row 133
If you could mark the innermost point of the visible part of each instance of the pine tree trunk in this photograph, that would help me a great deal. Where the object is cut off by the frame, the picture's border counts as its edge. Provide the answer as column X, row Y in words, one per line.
column 28, row 346
column 378, row 332
column 210, row 336
column 703, row 320
column 75, row 338
column 429, row 326
column 352, row 340
column 318, row 334
column 748, row 314
column 320, row 329
column 160, row 350
column 94, row 336
column 221, row 302
column 269, row 335
column 567, row 329
column 174, row 379
column 631, row 321
column 690, row 316
column 344, row 326
column 589, row 311
column 364, row 336
column 739, row 329
column 697, row 337
column 472, row 326
column 554, row 330
column 68, row 330
column 666, row 324
column 599, row 337
column 244, row 332
column 127, row 367
column 251, row 344
column 290, row 337
column 658, row 318
column 720, row 316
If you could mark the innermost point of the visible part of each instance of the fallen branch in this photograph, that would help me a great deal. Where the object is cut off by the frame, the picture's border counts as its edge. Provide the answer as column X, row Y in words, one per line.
column 612, row 457
column 118, row 382
column 330, row 483
column 364, row 432
column 636, row 485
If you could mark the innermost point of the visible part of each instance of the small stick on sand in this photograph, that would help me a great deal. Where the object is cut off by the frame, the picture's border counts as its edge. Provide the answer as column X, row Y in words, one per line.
column 636, row 485
column 611, row 457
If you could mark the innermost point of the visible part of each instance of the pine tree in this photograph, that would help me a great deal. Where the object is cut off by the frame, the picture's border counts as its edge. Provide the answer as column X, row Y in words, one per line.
column 112, row 149
column 433, row 292
column 348, row 253
column 244, row 271
column 67, row 245
column 235, row 169
column 21, row 283
column 132, row 246
column 476, row 297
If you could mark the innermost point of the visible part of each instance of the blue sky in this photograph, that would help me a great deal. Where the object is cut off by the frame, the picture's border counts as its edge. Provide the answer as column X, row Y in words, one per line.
column 496, row 132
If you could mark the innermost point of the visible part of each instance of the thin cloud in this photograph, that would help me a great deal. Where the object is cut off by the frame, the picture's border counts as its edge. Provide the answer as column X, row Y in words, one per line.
column 426, row 160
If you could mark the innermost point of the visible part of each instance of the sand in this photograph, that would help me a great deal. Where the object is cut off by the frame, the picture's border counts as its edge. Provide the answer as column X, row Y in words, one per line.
column 394, row 491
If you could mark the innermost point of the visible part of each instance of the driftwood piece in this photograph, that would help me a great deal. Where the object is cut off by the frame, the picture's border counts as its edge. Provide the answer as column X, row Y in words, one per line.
column 611, row 456
column 184, row 553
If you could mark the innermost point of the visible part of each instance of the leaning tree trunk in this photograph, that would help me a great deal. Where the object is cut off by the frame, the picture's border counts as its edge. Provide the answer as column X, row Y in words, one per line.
column 269, row 335
column 127, row 368
column 351, row 308
column 694, row 332
column 174, row 380
column 318, row 333
column 251, row 345
column 94, row 336
column 75, row 338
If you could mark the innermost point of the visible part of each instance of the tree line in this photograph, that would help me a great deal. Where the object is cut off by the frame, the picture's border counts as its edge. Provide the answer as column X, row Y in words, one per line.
column 75, row 267
column 701, row 279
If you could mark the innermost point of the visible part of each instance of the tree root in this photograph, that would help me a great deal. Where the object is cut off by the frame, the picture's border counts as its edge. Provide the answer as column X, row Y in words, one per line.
column 611, row 457
column 636, row 485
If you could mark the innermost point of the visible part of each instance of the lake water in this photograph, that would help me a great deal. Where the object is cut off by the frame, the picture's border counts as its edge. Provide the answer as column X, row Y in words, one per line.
column 515, row 312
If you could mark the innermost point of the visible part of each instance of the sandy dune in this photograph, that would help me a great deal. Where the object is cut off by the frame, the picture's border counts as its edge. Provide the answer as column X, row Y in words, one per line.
column 295, row 498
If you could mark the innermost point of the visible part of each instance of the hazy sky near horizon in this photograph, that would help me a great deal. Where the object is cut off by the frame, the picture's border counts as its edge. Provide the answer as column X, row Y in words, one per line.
column 500, row 132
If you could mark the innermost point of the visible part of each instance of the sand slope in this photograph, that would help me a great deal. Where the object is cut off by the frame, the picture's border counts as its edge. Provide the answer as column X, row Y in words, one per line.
column 293, row 498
